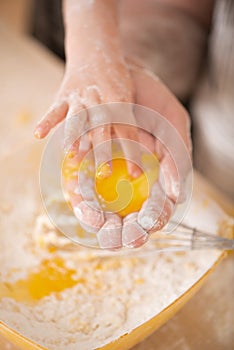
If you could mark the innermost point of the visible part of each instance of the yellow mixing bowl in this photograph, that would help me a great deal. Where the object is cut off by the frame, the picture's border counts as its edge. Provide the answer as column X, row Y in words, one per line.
column 30, row 157
column 126, row 341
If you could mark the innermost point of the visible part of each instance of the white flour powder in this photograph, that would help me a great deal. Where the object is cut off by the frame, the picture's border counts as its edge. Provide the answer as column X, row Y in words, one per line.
column 112, row 296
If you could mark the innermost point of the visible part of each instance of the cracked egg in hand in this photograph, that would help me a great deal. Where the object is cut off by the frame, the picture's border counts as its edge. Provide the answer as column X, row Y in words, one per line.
column 118, row 192
column 104, row 193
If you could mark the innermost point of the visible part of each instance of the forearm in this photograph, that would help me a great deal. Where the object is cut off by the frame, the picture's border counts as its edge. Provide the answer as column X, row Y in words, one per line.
column 91, row 27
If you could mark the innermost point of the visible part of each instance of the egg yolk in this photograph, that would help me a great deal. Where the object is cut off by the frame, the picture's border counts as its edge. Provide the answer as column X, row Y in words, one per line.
column 118, row 192
column 121, row 193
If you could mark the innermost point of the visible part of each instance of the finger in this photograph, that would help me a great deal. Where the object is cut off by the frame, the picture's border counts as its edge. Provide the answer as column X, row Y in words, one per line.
column 54, row 116
column 168, row 175
column 147, row 140
column 171, row 181
column 71, row 189
column 84, row 145
column 86, row 187
column 101, row 132
column 173, row 172
column 83, row 201
column 110, row 234
column 133, row 235
column 156, row 210
column 160, row 150
column 79, row 148
column 102, row 151
column 75, row 125
column 101, row 140
column 73, row 176
column 129, row 138
column 74, row 200
column 164, row 216
column 90, row 216
column 130, row 146
column 125, row 128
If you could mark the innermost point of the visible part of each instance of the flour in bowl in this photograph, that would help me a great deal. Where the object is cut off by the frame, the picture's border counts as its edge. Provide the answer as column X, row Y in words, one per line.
column 105, row 297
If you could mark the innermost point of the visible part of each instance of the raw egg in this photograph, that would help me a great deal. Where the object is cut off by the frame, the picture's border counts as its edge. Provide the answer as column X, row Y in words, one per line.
column 52, row 276
column 118, row 192
column 121, row 193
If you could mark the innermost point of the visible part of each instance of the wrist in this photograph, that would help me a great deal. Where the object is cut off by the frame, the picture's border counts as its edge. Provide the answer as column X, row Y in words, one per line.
column 90, row 26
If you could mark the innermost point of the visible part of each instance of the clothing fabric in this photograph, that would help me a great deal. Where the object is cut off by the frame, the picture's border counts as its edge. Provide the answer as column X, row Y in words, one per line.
column 213, row 104
column 47, row 25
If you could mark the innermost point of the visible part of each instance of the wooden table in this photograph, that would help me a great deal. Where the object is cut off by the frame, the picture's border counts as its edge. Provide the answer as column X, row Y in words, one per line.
column 30, row 76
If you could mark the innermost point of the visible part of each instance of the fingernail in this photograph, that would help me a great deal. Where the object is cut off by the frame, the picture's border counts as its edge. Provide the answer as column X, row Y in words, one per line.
column 136, row 172
column 71, row 154
column 37, row 133
column 67, row 150
column 146, row 221
column 131, row 233
column 104, row 171
column 110, row 236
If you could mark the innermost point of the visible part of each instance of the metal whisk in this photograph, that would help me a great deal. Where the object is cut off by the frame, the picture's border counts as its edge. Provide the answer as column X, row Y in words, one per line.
column 184, row 238
column 190, row 238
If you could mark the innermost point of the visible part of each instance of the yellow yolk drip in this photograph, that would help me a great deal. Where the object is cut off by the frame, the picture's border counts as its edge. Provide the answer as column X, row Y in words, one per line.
column 121, row 193
column 52, row 277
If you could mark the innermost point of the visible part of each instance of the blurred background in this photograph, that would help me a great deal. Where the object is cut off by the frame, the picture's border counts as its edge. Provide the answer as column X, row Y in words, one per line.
column 17, row 14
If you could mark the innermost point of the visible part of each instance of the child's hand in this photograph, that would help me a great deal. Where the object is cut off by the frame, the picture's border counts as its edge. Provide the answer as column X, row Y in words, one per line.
column 112, row 231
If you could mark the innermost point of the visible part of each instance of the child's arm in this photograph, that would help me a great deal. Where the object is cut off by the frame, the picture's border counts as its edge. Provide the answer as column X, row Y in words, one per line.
column 95, row 72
